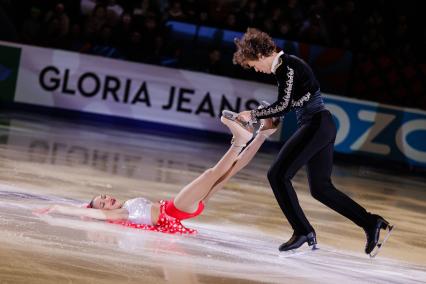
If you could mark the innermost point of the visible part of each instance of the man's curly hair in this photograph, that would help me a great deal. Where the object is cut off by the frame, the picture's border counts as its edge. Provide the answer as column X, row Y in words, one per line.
column 252, row 46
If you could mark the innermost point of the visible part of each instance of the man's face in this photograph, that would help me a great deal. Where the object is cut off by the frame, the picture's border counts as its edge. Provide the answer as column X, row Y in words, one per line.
column 261, row 65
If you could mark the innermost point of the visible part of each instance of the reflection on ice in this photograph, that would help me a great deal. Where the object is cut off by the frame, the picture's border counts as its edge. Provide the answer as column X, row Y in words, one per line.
column 230, row 252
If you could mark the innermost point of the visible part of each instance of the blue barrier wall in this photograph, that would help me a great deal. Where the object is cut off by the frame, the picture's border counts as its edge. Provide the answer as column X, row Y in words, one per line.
column 375, row 130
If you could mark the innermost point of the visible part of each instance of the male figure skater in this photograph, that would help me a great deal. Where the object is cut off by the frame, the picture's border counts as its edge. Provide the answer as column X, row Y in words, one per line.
column 311, row 145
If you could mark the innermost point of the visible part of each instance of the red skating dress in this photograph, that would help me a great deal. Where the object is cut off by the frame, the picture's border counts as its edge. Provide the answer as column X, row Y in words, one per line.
column 169, row 220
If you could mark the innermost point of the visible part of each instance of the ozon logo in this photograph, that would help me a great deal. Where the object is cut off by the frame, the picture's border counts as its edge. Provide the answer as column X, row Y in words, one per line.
column 402, row 143
column 378, row 123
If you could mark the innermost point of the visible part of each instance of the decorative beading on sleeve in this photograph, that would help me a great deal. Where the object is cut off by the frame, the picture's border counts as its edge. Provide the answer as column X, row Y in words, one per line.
column 284, row 102
column 300, row 101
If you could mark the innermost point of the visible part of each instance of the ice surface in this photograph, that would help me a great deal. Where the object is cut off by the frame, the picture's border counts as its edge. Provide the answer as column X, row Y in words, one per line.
column 45, row 161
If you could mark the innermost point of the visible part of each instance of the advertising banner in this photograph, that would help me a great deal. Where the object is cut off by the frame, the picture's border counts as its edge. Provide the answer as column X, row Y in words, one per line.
column 73, row 81
column 378, row 130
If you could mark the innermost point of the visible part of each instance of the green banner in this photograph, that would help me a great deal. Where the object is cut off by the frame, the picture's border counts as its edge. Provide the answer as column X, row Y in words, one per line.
column 9, row 66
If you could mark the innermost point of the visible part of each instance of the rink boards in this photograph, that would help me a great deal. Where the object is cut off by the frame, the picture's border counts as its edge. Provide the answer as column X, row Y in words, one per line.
column 75, row 82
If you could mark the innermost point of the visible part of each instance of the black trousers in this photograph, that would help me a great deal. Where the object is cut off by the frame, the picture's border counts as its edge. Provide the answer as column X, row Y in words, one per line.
column 312, row 145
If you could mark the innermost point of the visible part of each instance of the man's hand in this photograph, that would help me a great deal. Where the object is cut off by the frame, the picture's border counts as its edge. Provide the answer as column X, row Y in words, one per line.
column 244, row 116
column 268, row 126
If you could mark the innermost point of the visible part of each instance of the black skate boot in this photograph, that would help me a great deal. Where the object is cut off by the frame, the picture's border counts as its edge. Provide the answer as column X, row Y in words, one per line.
column 373, row 245
column 297, row 241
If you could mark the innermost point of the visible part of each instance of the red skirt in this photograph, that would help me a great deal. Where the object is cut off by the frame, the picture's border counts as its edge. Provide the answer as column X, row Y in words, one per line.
column 165, row 224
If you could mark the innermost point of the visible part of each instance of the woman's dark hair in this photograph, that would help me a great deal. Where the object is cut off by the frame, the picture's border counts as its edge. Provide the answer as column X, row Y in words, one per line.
column 252, row 46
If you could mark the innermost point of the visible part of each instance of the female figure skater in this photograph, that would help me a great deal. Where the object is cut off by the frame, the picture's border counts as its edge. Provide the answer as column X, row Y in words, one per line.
column 311, row 145
column 165, row 216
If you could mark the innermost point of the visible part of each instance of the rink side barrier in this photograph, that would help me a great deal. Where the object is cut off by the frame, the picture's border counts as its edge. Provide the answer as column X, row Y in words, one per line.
column 62, row 80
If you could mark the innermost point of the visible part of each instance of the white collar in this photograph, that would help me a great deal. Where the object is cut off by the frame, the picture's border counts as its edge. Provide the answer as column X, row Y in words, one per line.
column 276, row 61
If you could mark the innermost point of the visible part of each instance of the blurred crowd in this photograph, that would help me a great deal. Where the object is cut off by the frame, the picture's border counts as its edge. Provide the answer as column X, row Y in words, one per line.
column 136, row 30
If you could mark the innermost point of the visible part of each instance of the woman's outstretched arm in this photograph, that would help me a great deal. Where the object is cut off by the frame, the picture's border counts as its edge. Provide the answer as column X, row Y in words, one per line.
column 98, row 214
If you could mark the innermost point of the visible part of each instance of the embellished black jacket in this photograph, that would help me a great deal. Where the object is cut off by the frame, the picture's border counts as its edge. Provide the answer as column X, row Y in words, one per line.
column 296, row 86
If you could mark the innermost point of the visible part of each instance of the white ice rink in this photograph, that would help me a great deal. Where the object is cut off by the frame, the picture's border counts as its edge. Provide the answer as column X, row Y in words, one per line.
column 46, row 160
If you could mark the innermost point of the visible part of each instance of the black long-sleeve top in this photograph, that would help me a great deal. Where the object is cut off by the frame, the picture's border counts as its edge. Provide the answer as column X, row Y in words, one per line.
column 297, row 88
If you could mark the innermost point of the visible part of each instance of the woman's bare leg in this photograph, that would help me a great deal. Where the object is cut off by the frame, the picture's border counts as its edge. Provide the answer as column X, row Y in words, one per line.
column 188, row 198
column 243, row 160
column 213, row 179
column 268, row 127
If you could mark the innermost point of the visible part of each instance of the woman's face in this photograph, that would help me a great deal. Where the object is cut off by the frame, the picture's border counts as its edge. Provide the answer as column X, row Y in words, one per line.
column 106, row 202
column 262, row 65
